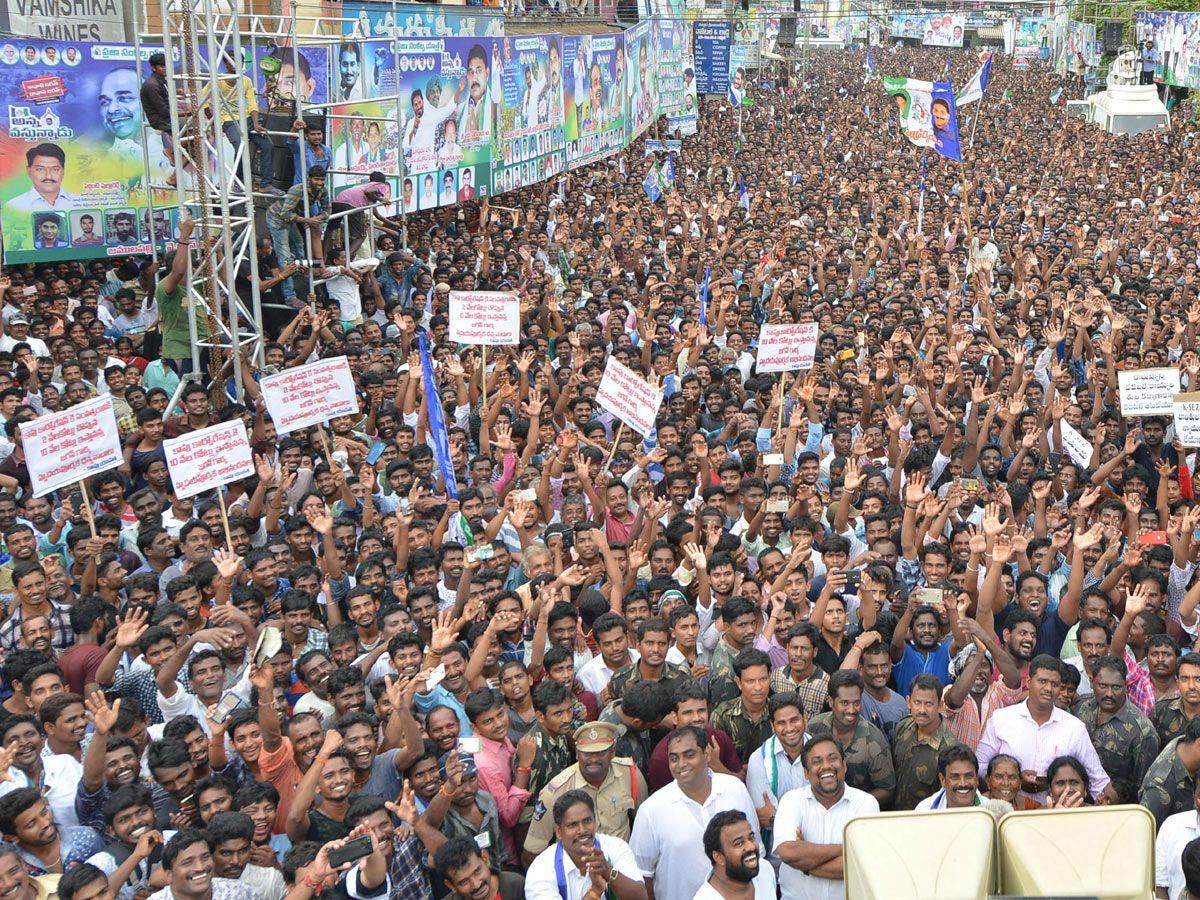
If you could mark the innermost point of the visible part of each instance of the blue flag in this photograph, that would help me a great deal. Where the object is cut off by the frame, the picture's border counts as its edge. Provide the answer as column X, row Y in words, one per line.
column 921, row 198
column 945, row 121
column 743, row 194
column 704, row 297
column 977, row 86
column 437, row 421
column 870, row 63
column 650, row 184
column 666, row 175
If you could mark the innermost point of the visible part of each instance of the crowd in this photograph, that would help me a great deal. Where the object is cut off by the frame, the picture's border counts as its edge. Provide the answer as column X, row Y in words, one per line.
column 663, row 665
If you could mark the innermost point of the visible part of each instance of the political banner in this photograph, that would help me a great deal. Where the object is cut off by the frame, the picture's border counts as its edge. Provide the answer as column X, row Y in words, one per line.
column 1176, row 35
column 275, row 78
column 944, row 30
column 711, row 41
column 1079, row 48
column 927, row 114
column 204, row 460
column 1186, row 411
column 1074, row 444
column 677, row 79
column 373, row 19
column 849, row 29
column 623, row 393
column 72, row 172
column 528, row 142
column 770, row 20
column 786, row 348
column 739, row 74
column 909, row 26
column 1148, row 392
column 69, row 446
column 485, row 317
column 1031, row 39
column 643, row 50
column 747, row 33
column 310, row 395
column 593, row 96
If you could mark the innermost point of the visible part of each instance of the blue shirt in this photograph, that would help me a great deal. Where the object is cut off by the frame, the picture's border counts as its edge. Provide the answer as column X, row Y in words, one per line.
column 310, row 158
column 915, row 663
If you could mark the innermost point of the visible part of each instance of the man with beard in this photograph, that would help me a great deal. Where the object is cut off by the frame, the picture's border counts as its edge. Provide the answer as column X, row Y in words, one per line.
column 314, row 668
column 27, row 824
column 810, row 821
column 188, row 860
column 731, row 846
column 465, row 869
column 583, row 863
column 552, row 703
column 867, row 758
column 57, row 776
column 668, row 845
column 1122, row 735
column 976, row 693
column 649, row 663
column 775, row 768
column 170, row 765
column 65, row 720
column 919, row 739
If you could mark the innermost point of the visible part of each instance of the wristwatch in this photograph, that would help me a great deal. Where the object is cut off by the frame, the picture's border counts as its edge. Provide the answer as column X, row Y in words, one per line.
column 612, row 875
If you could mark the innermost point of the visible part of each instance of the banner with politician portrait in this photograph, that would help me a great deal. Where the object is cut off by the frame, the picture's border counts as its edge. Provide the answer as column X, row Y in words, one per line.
column 276, row 81
column 927, row 114
column 365, row 19
column 642, row 52
column 677, row 78
column 528, row 143
column 593, row 96
column 944, row 30
column 73, row 177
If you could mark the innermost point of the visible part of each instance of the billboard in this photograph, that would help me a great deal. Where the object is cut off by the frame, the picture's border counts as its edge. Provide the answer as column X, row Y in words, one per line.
column 677, row 78
column 909, row 26
column 944, row 30
column 528, row 138
column 72, row 173
column 593, row 96
column 711, row 42
column 643, row 50
column 365, row 19
column 1177, row 37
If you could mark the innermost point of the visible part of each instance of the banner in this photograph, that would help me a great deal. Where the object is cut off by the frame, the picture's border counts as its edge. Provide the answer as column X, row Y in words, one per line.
column 72, row 170
column 711, row 43
column 927, row 114
column 739, row 74
column 528, row 138
column 747, row 33
column 677, row 78
column 1032, row 35
column 944, row 30
column 69, row 446
column 1148, row 392
column 364, row 132
column 1177, row 37
column 373, row 18
column 310, row 395
column 1186, row 411
column 206, row 459
column 909, row 26
column 485, row 317
column 593, row 96
column 275, row 78
column 643, row 50
column 786, row 348
column 623, row 393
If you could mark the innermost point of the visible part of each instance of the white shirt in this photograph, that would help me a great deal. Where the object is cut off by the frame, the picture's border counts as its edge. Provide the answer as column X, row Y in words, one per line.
column 1174, row 834
column 937, row 800
column 181, row 703
column 32, row 201
column 596, row 675
column 800, row 809
column 541, row 880
column 770, row 772
column 668, row 834
column 62, row 774
column 344, row 290
column 764, row 885
column 37, row 345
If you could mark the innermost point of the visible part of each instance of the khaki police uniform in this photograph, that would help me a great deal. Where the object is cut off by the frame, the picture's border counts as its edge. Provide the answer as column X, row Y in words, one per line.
column 622, row 791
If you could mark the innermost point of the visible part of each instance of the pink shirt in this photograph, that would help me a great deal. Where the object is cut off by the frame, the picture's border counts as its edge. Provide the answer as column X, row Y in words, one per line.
column 495, row 764
column 357, row 195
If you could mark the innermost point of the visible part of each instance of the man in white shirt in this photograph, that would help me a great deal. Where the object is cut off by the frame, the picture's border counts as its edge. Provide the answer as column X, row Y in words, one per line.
column 959, row 778
column 732, row 847
column 810, row 821
column 777, row 766
column 1175, row 833
column 581, row 862
column 668, row 833
column 612, row 637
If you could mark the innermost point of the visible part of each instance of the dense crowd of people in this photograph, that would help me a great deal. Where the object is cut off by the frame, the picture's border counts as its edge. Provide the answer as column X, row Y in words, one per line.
column 665, row 665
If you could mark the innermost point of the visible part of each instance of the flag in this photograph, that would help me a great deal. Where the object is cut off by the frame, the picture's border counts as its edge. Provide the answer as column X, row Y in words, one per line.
column 650, row 184
column 743, row 194
column 1055, row 94
column 652, row 147
column 704, row 297
column 921, row 199
column 977, row 86
column 437, row 421
column 927, row 115
column 747, row 101
column 666, row 174
column 870, row 63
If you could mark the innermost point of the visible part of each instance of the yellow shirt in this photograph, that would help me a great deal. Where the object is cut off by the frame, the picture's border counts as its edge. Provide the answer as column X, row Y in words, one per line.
column 229, row 99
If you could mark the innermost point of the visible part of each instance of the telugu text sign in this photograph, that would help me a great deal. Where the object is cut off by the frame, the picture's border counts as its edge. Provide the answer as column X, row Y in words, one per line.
column 309, row 395
column 1148, row 392
column 786, row 348
column 69, row 446
column 485, row 317
column 1186, row 408
column 628, row 397
column 206, row 459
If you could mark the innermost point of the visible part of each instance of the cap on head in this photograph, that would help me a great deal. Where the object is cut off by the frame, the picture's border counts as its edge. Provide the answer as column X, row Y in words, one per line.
column 595, row 737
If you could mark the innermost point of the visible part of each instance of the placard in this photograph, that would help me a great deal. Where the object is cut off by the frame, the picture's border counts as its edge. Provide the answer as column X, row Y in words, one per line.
column 624, row 394
column 1148, row 392
column 1186, row 408
column 309, row 395
column 69, row 446
column 1077, row 447
column 786, row 348
column 485, row 317
column 203, row 460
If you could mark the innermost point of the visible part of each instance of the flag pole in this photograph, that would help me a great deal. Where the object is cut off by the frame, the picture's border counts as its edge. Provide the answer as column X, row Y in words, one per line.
column 975, row 121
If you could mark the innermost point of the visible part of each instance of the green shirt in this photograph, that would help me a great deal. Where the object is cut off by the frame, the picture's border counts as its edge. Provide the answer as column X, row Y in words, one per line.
column 173, row 320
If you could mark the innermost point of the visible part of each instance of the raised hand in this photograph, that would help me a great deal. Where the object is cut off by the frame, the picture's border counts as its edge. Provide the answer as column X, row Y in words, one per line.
column 101, row 713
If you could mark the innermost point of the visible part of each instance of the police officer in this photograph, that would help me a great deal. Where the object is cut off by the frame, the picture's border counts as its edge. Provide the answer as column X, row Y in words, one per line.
column 613, row 782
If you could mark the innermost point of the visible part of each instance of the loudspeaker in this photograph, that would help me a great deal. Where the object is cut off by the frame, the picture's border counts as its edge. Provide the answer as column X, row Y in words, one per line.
column 787, row 31
column 1114, row 33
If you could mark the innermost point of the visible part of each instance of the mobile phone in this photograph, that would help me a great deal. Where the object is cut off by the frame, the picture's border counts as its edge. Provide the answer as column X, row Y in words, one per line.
column 772, row 459
column 970, row 484
column 529, row 495
column 228, row 704
column 270, row 642
column 928, row 596
column 435, row 677
column 1153, row 537
column 350, row 851
column 853, row 578
column 469, row 745
column 777, row 506
column 375, row 452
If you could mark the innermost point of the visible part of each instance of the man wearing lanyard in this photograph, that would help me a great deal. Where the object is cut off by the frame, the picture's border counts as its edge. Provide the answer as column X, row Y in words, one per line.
column 581, row 864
